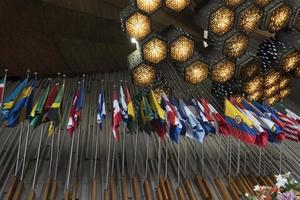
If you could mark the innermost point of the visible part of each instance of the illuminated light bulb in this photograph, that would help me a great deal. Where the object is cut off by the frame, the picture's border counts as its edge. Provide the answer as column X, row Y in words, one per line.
column 155, row 50
column 196, row 72
column 250, row 19
column 177, row 5
column 223, row 71
column 148, row 6
column 143, row 75
column 290, row 61
column 236, row 46
column 221, row 21
column 278, row 18
column 182, row 48
column 138, row 26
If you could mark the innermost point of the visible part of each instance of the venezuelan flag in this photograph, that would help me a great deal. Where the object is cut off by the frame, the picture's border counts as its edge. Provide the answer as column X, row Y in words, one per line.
column 241, row 126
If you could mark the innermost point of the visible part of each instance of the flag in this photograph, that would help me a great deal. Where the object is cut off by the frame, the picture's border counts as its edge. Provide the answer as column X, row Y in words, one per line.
column 292, row 115
column 275, row 133
column 197, row 131
column 117, row 117
column 49, row 101
column 174, row 124
column 130, row 111
column 198, row 110
column 215, row 118
column 10, row 100
column 147, row 115
column 38, row 109
column 23, row 106
column 54, row 113
column 156, row 107
column 101, row 112
column 72, row 122
column 123, row 105
column 179, row 115
column 2, row 88
column 241, row 125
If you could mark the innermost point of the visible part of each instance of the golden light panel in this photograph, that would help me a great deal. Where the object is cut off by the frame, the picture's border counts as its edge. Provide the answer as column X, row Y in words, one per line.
column 285, row 93
column 268, row 92
column 221, row 21
column 148, row 6
column 177, row 5
column 236, row 46
column 290, row 61
column 255, row 96
column 284, row 81
column 182, row 49
column 253, row 85
column 272, row 100
column 143, row 75
column 155, row 50
column 138, row 26
column 233, row 3
column 223, row 71
column 250, row 69
column 196, row 72
column 278, row 18
column 250, row 19
column 262, row 2
column 272, row 78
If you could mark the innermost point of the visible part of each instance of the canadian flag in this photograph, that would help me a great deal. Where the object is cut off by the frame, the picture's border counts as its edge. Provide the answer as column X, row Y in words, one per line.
column 117, row 117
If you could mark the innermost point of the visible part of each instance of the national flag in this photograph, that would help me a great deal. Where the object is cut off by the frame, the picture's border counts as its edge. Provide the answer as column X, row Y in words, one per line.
column 117, row 117
column 130, row 111
column 179, row 115
column 197, row 131
column 101, row 111
column 11, row 99
column 155, row 106
column 123, row 104
column 292, row 115
column 72, row 122
column 146, row 114
column 54, row 113
column 174, row 124
column 242, row 126
column 38, row 109
column 199, row 111
column 49, row 101
column 23, row 106
column 2, row 88
column 214, row 117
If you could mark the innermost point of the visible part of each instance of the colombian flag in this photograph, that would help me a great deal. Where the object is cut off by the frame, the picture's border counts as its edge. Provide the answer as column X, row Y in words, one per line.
column 241, row 126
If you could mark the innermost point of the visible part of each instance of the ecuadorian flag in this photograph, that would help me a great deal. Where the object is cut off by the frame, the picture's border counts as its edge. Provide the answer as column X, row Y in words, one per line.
column 241, row 126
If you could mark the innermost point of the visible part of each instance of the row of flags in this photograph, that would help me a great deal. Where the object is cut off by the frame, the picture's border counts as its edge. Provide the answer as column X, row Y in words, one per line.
column 253, row 123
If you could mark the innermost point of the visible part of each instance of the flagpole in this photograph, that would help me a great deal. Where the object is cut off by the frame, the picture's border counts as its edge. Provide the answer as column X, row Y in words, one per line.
column 159, row 160
column 96, row 154
column 280, row 158
column 147, row 156
column 108, row 161
column 166, row 162
column 178, row 164
column 135, row 149
column 123, row 149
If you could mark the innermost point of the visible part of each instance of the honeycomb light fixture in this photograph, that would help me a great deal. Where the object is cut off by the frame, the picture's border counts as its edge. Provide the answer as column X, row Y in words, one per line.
column 296, row 22
column 148, row 6
column 155, row 50
column 236, row 46
column 223, row 71
column 196, row 72
column 221, row 21
column 273, row 100
column 278, row 18
column 177, row 5
column 271, row 78
column 250, row 19
column 249, row 69
column 138, row 25
column 271, row 91
column 233, row 3
column 290, row 61
column 253, row 85
column 262, row 3
column 143, row 75
column 255, row 96
column 182, row 48
column 285, row 93
column 284, row 81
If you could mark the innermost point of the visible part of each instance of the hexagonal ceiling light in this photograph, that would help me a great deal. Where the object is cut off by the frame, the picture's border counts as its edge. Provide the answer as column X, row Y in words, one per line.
column 177, row 5
column 196, row 72
column 148, row 6
column 155, row 50
column 221, row 21
column 137, row 25
column 236, row 46
column 223, row 71
column 250, row 19
column 290, row 61
column 182, row 48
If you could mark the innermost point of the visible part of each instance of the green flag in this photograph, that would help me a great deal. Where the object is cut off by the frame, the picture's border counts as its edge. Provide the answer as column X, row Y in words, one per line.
column 54, row 114
column 147, row 115
column 38, row 109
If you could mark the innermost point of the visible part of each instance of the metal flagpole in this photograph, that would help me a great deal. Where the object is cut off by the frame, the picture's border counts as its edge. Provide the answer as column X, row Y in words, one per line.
column 166, row 162
column 238, row 159
column 123, row 148
column 113, row 158
column 96, row 154
column 135, row 149
column 19, row 148
column 159, row 160
column 185, row 156
column 178, row 164
column 147, row 156
column 51, row 155
column 280, row 158
column 25, row 152
column 70, row 164
column 108, row 161
column 259, row 164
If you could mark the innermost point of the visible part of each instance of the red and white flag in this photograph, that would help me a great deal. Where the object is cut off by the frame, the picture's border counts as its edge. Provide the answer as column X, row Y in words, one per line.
column 117, row 117
column 72, row 122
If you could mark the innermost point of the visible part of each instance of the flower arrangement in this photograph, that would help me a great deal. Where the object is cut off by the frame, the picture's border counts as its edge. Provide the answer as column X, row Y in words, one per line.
column 286, row 188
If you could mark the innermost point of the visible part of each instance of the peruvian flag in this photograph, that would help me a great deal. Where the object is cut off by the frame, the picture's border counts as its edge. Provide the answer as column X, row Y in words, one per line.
column 213, row 117
column 72, row 122
column 117, row 117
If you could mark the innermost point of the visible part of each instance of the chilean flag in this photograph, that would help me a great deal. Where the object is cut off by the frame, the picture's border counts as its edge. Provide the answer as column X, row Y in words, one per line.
column 117, row 117
column 174, row 124
column 215, row 118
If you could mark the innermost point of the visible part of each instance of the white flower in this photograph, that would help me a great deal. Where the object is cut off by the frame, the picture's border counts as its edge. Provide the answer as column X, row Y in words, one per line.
column 281, row 181
column 247, row 195
column 256, row 188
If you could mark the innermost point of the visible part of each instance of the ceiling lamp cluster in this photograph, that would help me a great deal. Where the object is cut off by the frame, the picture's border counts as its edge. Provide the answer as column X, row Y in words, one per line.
column 182, row 48
column 221, row 21
column 250, row 19
column 236, row 46
column 155, row 49
column 223, row 71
